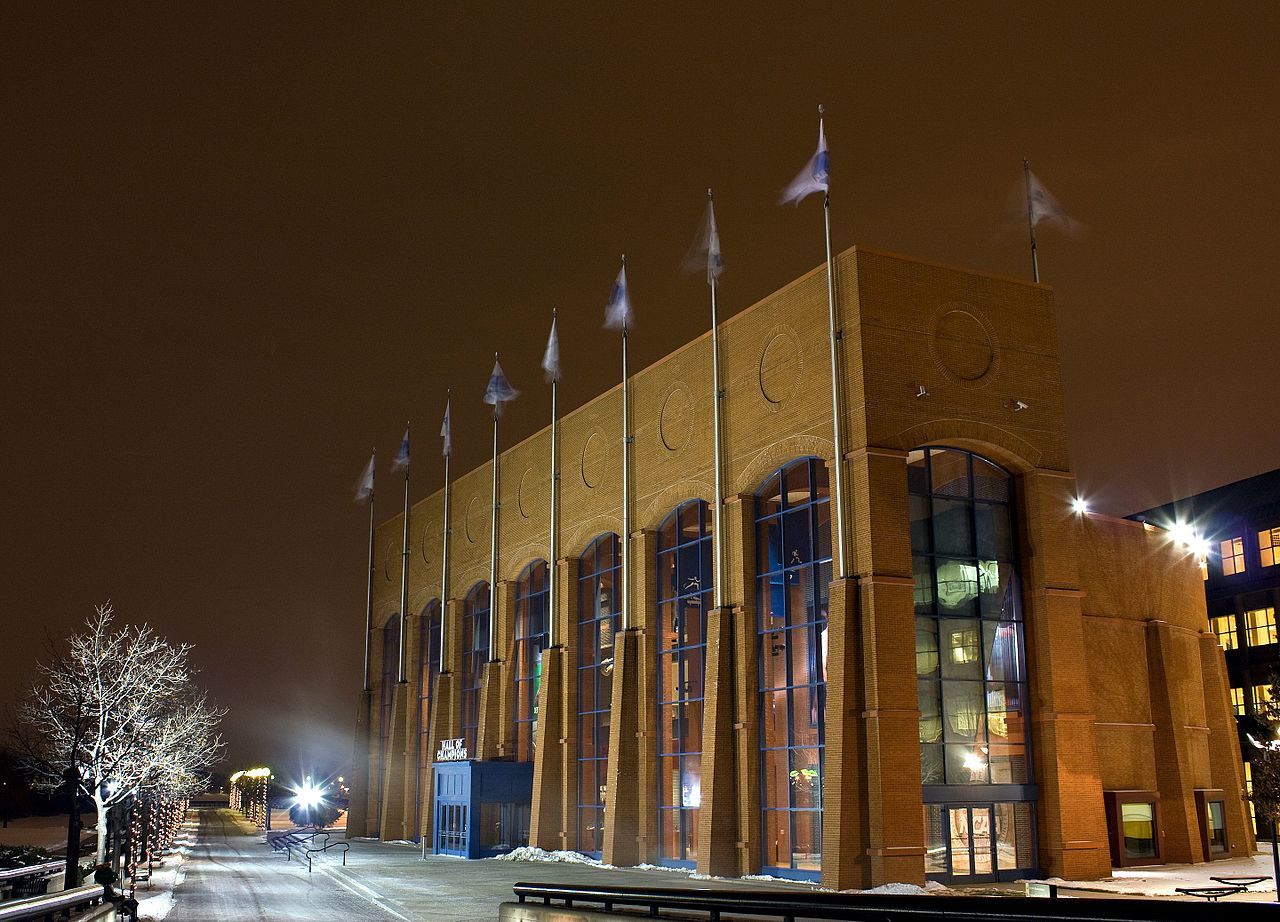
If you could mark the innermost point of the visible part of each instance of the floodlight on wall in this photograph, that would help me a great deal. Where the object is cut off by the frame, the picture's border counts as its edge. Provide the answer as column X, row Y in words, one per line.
column 1019, row 405
column 1080, row 506
column 921, row 391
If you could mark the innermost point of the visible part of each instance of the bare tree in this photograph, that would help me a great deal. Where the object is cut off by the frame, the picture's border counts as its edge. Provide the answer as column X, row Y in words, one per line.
column 119, row 713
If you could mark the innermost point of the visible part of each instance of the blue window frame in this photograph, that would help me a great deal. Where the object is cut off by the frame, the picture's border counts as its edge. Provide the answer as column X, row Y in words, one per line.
column 685, row 584
column 475, row 653
column 428, row 669
column 386, row 696
column 532, row 592
column 971, row 680
column 599, row 621
column 793, row 567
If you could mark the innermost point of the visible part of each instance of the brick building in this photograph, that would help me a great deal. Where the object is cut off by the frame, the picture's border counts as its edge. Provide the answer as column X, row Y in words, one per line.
column 998, row 686
column 1239, row 527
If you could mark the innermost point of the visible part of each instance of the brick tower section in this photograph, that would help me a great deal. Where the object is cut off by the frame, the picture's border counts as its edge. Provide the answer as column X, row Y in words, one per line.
column 1227, row 767
column 623, row 826
column 358, row 811
column 394, row 774
column 718, row 810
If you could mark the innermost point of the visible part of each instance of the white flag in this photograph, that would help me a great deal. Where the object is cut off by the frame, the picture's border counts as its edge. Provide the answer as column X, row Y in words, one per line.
column 617, row 313
column 446, row 432
column 401, row 461
column 364, row 486
column 1041, row 206
column 499, row 390
column 815, row 176
column 551, row 358
column 705, row 252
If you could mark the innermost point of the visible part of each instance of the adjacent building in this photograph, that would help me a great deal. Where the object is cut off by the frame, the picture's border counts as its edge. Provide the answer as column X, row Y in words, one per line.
column 1237, row 528
column 970, row 680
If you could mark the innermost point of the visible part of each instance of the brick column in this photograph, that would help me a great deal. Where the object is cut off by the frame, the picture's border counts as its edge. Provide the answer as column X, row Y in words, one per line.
column 718, row 812
column 413, row 725
column 1070, row 818
column 1225, row 762
column 644, row 570
column 622, row 827
column 570, row 601
column 547, row 810
column 493, row 736
column 844, row 842
column 358, row 809
column 1181, row 737
column 393, row 773
column 740, row 531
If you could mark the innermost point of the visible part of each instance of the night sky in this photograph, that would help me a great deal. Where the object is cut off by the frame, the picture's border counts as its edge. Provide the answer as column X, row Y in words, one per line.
column 243, row 244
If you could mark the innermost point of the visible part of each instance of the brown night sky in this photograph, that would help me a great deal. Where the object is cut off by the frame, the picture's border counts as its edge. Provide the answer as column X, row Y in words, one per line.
column 243, row 244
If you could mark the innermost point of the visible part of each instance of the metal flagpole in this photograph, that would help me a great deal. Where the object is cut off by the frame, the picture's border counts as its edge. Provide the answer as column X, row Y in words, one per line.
column 837, row 402
column 404, row 565
column 444, row 543
column 626, row 485
column 555, row 508
column 493, row 536
column 368, row 597
column 717, row 449
column 1031, row 224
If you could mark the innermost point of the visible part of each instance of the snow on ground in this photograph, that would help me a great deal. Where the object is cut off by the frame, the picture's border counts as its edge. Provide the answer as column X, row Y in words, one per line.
column 1165, row 879
column 533, row 853
column 155, row 897
column 48, row 832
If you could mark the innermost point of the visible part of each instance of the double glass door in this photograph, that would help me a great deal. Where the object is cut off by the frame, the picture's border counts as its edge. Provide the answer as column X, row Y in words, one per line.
column 971, row 842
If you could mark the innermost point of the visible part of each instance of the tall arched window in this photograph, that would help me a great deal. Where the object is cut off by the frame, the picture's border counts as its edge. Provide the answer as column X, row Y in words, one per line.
column 793, row 565
column 685, row 584
column 386, row 696
column 970, row 668
column 532, row 591
column 475, row 653
column 599, row 621
column 428, row 669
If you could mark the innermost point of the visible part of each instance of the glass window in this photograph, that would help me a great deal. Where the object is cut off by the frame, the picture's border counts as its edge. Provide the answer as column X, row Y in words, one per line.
column 1237, row 701
column 428, row 669
column 1269, row 546
column 1138, row 823
column 1232, row 551
column 793, row 568
column 685, row 582
column 532, row 593
column 1260, row 627
column 1262, row 699
column 1224, row 628
column 599, row 620
column 475, row 653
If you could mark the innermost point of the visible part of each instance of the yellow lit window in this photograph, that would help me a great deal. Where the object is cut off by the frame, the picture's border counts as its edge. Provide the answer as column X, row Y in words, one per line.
column 1224, row 626
column 964, row 646
column 1261, row 699
column 1269, row 546
column 1232, row 556
column 1237, row 701
column 1260, row 627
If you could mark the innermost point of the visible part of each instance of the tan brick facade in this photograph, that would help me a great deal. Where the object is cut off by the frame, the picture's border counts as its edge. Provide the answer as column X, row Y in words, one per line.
column 1127, row 689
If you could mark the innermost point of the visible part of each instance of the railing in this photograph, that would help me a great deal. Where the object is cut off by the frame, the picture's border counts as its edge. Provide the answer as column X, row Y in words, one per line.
column 790, row 906
column 308, row 852
column 33, row 870
column 44, row 907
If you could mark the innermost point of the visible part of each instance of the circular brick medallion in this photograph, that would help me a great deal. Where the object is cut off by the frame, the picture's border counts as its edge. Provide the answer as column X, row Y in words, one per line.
column 474, row 520
column 962, row 343
column 529, row 493
column 595, row 460
column 675, row 422
column 780, row 367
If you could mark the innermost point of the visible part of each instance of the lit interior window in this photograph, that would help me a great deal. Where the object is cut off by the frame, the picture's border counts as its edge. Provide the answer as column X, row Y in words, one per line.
column 1269, row 546
column 1237, row 701
column 1232, row 556
column 1224, row 628
column 1260, row 627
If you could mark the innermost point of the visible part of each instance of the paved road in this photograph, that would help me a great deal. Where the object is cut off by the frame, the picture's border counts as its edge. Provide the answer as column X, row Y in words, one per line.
column 231, row 875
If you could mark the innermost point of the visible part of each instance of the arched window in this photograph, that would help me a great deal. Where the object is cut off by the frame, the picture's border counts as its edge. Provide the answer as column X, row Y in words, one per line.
column 386, row 696
column 475, row 653
column 685, row 584
column 970, row 667
column 793, row 566
column 599, row 621
column 532, row 590
column 428, row 669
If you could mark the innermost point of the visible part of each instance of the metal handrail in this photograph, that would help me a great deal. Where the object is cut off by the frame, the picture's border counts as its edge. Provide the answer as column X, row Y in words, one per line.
column 799, row 904
column 33, row 870
column 324, row 848
column 39, row 907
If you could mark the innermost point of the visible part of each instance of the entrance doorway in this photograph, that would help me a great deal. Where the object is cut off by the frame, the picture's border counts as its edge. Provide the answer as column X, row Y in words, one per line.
column 971, row 845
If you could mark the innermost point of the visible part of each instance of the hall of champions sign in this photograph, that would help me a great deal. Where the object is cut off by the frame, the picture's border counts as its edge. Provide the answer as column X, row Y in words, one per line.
column 451, row 751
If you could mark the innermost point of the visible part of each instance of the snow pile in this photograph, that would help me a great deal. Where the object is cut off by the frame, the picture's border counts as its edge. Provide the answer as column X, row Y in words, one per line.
column 1166, row 879
column 899, row 889
column 156, row 900
column 533, row 853
column 155, row 907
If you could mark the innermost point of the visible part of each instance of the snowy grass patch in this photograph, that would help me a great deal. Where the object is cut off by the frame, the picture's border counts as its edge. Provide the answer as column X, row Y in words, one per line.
column 533, row 853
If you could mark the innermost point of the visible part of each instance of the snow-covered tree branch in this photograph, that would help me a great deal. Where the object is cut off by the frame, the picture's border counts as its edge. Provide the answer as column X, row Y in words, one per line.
column 120, row 709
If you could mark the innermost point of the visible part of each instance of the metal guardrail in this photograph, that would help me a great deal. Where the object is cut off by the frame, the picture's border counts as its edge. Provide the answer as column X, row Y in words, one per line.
column 42, row 907
column 790, row 906
column 34, row 870
column 308, row 852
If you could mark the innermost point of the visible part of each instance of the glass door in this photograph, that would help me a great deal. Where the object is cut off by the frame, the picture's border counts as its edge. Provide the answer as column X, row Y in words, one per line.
column 971, row 843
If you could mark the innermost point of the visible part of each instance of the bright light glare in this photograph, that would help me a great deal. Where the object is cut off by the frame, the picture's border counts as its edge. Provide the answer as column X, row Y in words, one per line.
column 1185, row 535
column 308, row 796
column 1080, row 506
column 974, row 762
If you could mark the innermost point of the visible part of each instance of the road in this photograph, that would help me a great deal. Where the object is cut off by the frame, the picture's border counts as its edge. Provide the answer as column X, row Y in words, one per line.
column 231, row 875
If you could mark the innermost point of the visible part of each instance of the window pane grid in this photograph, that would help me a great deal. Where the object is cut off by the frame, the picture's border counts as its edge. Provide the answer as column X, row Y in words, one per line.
column 1232, row 552
column 531, row 615
column 475, row 652
column 1269, row 546
column 598, row 624
column 1260, row 627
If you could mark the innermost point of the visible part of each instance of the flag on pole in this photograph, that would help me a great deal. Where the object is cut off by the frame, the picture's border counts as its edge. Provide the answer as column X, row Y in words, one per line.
column 705, row 252
column 551, row 358
column 815, row 176
column 617, row 313
column 364, row 486
column 401, row 462
column 499, row 390
column 446, row 432
column 1042, row 206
